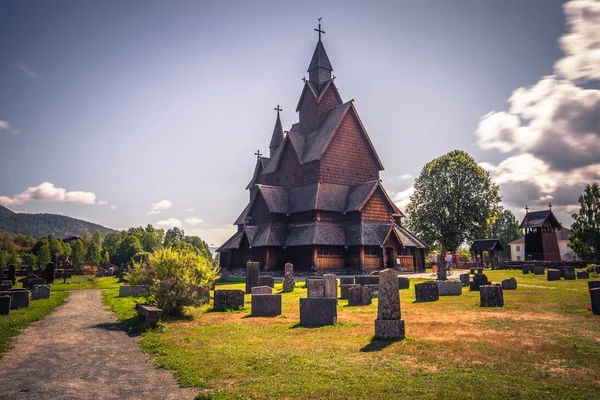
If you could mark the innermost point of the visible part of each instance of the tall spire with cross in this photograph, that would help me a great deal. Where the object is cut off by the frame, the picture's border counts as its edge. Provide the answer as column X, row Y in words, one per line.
column 277, row 136
column 319, row 69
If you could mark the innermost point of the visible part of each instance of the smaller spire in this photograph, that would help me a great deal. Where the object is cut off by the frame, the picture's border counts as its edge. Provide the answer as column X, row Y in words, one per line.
column 277, row 136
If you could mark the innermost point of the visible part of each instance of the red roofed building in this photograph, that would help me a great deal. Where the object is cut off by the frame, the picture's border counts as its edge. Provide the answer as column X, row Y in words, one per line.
column 317, row 200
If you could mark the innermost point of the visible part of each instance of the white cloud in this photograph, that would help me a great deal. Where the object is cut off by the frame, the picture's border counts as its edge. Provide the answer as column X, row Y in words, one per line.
column 102, row 202
column 4, row 125
column 162, row 205
column 194, row 221
column 169, row 223
column 552, row 128
column 25, row 69
column 190, row 210
column 49, row 193
column 402, row 198
column 213, row 236
column 113, row 207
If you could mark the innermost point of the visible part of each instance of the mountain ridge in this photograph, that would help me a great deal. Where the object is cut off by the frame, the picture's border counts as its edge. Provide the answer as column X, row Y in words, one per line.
column 38, row 225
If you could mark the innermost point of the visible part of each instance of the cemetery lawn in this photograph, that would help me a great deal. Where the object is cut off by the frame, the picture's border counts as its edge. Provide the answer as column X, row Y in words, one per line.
column 84, row 282
column 542, row 344
column 21, row 318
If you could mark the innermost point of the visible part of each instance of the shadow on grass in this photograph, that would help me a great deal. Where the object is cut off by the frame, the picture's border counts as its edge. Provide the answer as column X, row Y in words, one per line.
column 131, row 326
column 226, row 309
column 378, row 345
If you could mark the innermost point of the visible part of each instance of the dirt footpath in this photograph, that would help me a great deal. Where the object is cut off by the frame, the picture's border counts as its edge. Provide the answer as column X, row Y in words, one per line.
column 80, row 351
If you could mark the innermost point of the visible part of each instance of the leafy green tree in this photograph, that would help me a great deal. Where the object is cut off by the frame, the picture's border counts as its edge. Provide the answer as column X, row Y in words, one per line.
column 29, row 260
column 3, row 258
column 13, row 258
column 92, row 256
column 111, row 244
column 39, row 244
column 67, row 251
column 78, row 253
column 453, row 202
column 586, row 225
column 44, row 256
column 105, row 258
column 505, row 228
column 129, row 247
column 152, row 238
column 6, row 242
column 174, row 234
column 56, row 247
column 97, row 239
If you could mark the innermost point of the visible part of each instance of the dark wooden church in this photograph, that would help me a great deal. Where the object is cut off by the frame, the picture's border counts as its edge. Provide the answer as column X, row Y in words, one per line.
column 541, row 242
column 317, row 200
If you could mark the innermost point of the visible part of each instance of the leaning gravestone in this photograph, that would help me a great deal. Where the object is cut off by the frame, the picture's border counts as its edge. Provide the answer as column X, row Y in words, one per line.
column 595, row 299
column 329, row 286
column 40, row 292
column 359, row 295
column 266, row 280
column 509, row 284
column 50, row 269
column 315, row 288
column 344, row 290
column 426, row 291
column 225, row 299
column 538, row 270
column 403, row 283
column 4, row 305
column 12, row 273
column 553, row 275
column 266, row 305
column 288, row 278
column 262, row 290
column 491, row 296
column 583, row 275
column 388, row 324
column 318, row 312
column 252, row 275
column 464, row 279
column 449, row 288
column 569, row 274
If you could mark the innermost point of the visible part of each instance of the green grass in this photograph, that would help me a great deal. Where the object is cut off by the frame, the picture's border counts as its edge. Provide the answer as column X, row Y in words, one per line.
column 541, row 345
column 84, row 282
column 21, row 318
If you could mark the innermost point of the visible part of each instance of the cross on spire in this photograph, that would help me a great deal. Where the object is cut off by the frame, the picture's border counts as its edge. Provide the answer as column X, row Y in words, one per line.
column 258, row 154
column 277, row 109
column 319, row 29
column 550, row 206
column 526, row 209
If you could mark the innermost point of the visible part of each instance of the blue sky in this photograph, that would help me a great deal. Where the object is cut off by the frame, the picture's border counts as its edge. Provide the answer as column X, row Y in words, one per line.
column 128, row 113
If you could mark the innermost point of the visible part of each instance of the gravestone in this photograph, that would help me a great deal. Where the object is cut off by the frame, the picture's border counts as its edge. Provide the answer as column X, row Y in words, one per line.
column 593, row 284
column 252, row 275
column 318, row 312
column 344, row 288
column 4, row 288
column 329, row 286
column 266, row 280
column 315, row 288
column 359, row 296
column 509, row 284
column 134, row 290
column 583, row 275
column 262, row 290
column 374, row 289
column 6, row 282
column 538, row 270
column 527, row 268
column 491, row 296
column 569, row 274
column 403, row 283
column 19, row 298
column 388, row 324
column 12, row 273
column 288, row 278
column 40, row 292
column 4, row 304
column 346, row 280
column 426, row 291
column 266, row 305
column 150, row 315
column 441, row 272
column 449, row 288
column 595, row 299
column 598, row 269
column 553, row 275
column 366, row 280
column 464, row 279
column 225, row 299
column 49, row 271
column 478, row 280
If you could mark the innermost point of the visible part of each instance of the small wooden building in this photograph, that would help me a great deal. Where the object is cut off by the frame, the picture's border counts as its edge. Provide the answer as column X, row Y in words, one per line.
column 541, row 242
column 317, row 200
column 486, row 252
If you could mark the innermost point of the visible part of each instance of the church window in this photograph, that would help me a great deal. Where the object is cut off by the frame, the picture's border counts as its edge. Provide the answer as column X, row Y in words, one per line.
column 373, row 251
column 330, row 250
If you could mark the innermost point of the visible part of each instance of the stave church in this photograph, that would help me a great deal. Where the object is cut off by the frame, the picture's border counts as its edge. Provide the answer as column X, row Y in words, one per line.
column 317, row 200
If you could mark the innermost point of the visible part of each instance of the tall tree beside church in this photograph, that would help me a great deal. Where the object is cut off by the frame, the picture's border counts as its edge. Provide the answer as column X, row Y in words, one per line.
column 44, row 256
column 586, row 225
column 453, row 202
column 78, row 253
column 174, row 234
column 505, row 228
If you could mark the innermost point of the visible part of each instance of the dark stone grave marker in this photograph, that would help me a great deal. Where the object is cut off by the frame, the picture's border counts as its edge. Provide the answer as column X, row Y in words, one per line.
column 553, row 275
column 266, row 305
column 266, row 280
column 388, row 324
column 252, row 275
column 426, row 291
column 318, row 312
column 225, row 299
column 491, row 296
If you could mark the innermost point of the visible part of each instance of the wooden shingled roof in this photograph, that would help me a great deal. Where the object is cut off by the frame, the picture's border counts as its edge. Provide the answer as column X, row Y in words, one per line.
column 486, row 245
column 536, row 219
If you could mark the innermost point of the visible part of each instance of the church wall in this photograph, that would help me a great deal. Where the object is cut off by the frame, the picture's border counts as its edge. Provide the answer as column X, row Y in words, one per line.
column 377, row 208
column 260, row 211
column 348, row 159
column 309, row 120
column 290, row 173
column 328, row 101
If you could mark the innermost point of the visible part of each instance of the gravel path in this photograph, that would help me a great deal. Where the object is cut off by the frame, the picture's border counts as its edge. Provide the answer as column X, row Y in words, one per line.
column 80, row 351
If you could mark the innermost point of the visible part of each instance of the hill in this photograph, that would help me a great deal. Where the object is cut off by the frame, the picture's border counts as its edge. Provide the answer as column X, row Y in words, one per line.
column 38, row 225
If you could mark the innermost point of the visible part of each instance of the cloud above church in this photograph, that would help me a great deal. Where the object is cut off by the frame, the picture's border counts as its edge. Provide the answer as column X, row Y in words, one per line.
column 49, row 193
column 551, row 131
column 169, row 223
column 156, row 208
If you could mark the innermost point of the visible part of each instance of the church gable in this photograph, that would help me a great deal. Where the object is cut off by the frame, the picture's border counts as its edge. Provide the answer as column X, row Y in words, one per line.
column 378, row 207
column 349, row 157
column 260, row 211
column 307, row 109
column 328, row 100
column 290, row 172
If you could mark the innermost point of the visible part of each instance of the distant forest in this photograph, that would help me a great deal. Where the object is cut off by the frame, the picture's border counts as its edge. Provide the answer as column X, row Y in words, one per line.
column 40, row 225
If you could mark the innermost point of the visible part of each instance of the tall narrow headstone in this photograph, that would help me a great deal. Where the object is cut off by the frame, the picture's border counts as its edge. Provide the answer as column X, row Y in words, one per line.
column 12, row 273
column 252, row 275
column 330, row 286
column 388, row 324
column 315, row 288
column 595, row 299
column 50, row 269
column 4, row 305
column 288, row 278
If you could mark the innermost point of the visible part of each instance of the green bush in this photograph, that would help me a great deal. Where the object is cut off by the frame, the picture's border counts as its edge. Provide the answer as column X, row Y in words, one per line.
column 590, row 268
column 177, row 278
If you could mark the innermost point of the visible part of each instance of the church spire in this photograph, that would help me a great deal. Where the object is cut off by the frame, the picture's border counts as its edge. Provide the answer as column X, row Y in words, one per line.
column 277, row 137
column 319, row 70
